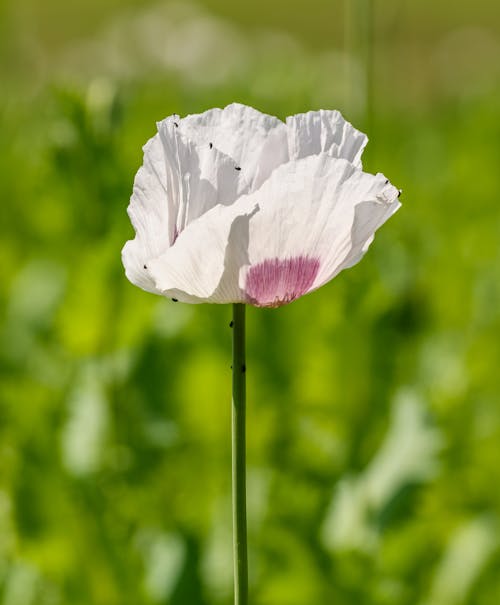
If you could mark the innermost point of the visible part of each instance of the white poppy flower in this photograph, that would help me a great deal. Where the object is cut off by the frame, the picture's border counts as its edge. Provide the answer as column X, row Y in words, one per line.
column 233, row 205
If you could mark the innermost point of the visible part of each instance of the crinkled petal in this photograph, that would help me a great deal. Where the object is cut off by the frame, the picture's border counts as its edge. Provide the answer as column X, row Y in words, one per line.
column 324, row 131
column 152, row 215
column 192, row 270
column 178, row 182
column 210, row 256
column 369, row 201
column 256, row 142
column 308, row 221
column 368, row 217
column 199, row 176
column 316, row 217
column 222, row 214
column 192, row 165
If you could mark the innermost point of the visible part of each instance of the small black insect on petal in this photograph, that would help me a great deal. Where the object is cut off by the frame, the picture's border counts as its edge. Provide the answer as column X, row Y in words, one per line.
column 176, row 125
column 210, row 145
column 175, row 300
column 400, row 192
column 237, row 167
column 386, row 181
column 145, row 267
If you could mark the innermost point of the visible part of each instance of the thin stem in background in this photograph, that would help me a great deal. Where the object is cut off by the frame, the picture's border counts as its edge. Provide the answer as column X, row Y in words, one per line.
column 239, row 458
column 359, row 44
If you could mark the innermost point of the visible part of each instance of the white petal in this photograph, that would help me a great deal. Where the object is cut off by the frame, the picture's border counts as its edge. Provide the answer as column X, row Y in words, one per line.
column 368, row 217
column 256, row 142
column 185, row 174
column 316, row 217
column 152, row 214
column 310, row 219
column 192, row 270
column 369, row 201
column 199, row 176
column 324, row 131
column 298, row 202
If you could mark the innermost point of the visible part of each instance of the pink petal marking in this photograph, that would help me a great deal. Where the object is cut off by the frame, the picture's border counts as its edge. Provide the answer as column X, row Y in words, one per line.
column 275, row 282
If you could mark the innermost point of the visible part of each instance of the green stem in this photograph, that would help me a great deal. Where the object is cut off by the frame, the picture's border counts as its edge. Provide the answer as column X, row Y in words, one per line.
column 239, row 458
column 369, row 64
column 360, row 44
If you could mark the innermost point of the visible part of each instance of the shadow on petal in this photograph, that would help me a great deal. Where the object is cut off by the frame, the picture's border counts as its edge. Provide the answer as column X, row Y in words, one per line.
column 236, row 256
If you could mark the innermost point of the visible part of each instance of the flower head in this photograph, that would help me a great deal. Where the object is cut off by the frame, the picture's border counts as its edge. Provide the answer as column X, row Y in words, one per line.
column 233, row 205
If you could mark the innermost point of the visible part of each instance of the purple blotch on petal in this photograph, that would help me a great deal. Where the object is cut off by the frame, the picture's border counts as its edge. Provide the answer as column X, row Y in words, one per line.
column 275, row 282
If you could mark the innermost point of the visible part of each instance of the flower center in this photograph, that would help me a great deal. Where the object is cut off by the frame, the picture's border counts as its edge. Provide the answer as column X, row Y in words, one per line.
column 275, row 282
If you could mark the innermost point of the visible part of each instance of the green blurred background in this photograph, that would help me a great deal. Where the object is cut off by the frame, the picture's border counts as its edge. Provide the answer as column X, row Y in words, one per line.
column 374, row 417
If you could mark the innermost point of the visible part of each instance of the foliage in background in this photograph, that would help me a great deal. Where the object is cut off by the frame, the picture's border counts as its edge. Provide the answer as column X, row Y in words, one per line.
column 374, row 417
